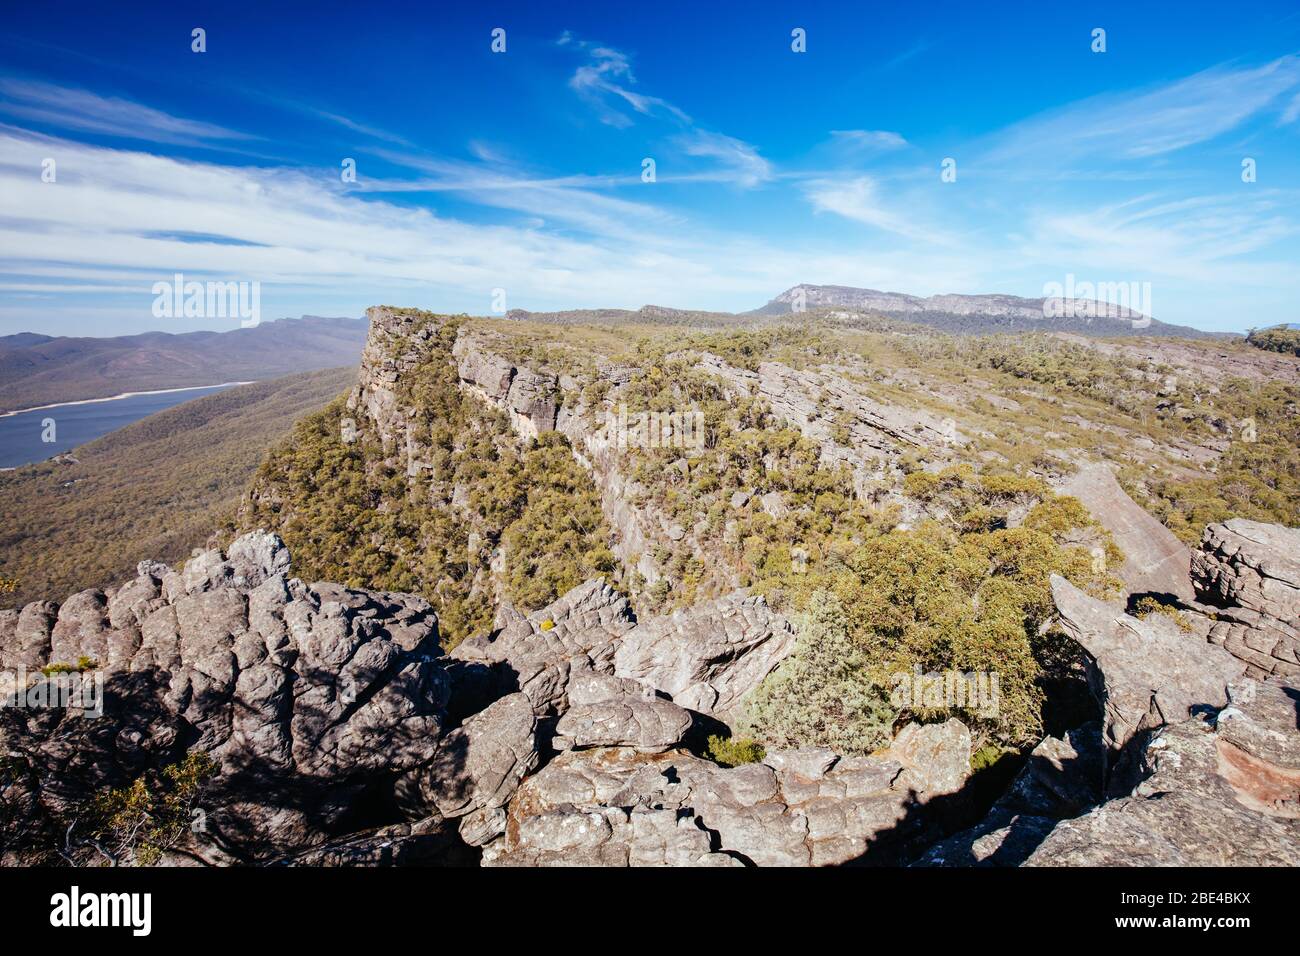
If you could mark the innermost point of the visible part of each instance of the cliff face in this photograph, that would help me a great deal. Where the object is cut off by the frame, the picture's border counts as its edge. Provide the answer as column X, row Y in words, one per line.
column 836, row 407
column 537, row 402
column 417, row 481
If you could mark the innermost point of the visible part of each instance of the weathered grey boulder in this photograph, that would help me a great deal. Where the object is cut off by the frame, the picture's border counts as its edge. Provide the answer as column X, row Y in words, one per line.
column 303, row 696
column 1249, row 572
column 1216, row 792
column 81, row 630
column 1145, row 673
column 479, row 765
column 649, row 725
column 619, row 807
column 708, row 657
column 535, row 654
column 25, row 636
column 937, row 756
column 609, row 711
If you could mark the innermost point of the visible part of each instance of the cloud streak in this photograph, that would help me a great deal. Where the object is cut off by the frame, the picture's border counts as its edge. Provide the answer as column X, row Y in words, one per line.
column 85, row 112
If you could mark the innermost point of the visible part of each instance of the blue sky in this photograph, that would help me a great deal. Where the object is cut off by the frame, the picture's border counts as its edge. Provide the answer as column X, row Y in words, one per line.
column 522, row 170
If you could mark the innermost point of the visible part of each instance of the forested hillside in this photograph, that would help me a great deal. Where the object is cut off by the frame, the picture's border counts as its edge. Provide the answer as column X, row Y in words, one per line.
column 159, row 487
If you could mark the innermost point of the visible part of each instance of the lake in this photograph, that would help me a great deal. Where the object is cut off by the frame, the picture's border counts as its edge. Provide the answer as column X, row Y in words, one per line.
column 21, row 435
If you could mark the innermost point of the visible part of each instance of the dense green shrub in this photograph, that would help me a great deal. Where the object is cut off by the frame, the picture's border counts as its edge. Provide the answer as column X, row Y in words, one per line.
column 940, row 599
column 823, row 694
column 734, row 751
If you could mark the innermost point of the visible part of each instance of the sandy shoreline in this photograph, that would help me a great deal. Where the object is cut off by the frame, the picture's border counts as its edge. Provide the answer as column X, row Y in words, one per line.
column 113, row 398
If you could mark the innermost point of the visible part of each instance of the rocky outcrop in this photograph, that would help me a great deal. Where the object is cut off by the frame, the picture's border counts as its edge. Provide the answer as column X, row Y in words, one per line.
column 560, row 737
column 398, row 341
column 1217, row 791
column 478, row 767
column 1249, row 574
column 709, row 657
column 305, row 696
column 1155, row 561
column 609, row 711
column 620, row 807
column 1204, row 763
column 1145, row 673
column 1063, row 777
column 819, row 401
column 703, row 659
column 322, row 705
column 530, row 398
column 536, row 654
column 25, row 636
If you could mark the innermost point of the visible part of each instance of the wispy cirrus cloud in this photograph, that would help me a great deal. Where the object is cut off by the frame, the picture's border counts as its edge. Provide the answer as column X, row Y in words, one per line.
column 858, row 198
column 82, row 111
column 915, row 50
column 292, row 230
column 580, row 201
column 1292, row 112
column 738, row 161
column 1220, row 238
column 605, row 81
column 1153, row 122
column 867, row 140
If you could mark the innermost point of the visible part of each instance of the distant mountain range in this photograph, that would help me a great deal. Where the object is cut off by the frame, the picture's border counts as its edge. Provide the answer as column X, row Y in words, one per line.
column 40, row 369
column 959, row 314
column 976, row 314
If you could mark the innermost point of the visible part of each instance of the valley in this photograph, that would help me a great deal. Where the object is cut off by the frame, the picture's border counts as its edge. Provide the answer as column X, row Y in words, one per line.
column 158, row 486
column 38, row 370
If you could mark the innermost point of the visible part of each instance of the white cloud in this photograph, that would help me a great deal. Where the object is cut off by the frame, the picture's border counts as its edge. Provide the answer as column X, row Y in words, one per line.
column 1210, row 239
column 867, row 139
column 1162, row 120
column 86, row 112
column 858, row 198
column 605, row 81
column 116, row 224
column 739, row 161
column 598, row 81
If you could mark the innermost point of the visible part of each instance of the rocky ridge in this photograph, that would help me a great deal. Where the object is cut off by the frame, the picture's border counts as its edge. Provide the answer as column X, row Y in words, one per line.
column 322, row 705
column 343, row 735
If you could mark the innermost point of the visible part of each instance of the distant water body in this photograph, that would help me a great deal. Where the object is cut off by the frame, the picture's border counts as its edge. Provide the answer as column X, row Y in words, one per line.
column 76, row 423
